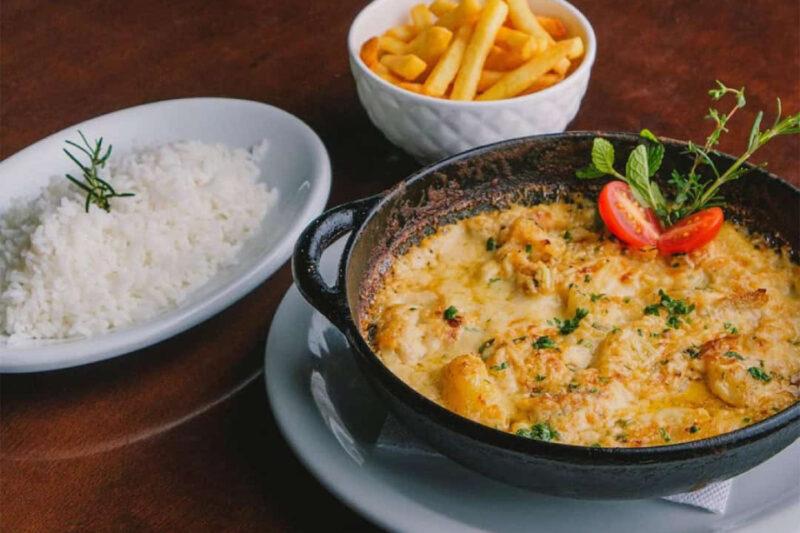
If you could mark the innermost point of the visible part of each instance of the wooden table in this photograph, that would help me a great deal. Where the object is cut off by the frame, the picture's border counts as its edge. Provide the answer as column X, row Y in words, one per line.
column 180, row 436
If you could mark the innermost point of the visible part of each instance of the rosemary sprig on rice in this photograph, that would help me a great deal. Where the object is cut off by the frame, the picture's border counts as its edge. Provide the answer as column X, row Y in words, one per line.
column 98, row 191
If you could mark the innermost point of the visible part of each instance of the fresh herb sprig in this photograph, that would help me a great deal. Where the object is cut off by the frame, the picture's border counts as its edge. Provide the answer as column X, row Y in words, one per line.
column 98, row 191
column 693, row 191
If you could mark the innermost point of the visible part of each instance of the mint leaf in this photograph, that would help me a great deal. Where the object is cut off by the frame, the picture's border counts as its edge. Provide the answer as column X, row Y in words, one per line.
column 603, row 156
column 588, row 172
column 659, row 203
column 638, row 169
column 655, row 154
column 647, row 134
column 655, row 151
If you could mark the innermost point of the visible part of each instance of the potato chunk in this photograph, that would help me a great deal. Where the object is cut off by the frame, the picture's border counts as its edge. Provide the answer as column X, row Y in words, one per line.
column 467, row 390
column 728, row 375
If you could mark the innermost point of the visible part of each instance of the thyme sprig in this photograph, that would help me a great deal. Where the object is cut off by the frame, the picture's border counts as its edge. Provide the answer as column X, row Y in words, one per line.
column 98, row 191
column 693, row 191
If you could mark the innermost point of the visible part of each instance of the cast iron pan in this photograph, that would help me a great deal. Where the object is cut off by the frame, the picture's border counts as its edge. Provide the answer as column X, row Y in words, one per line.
column 531, row 170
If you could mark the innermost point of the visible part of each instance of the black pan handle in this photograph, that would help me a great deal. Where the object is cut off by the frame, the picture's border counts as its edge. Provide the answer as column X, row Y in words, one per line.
column 317, row 236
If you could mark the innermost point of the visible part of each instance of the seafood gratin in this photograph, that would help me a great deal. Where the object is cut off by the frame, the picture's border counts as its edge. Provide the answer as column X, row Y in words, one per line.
column 533, row 320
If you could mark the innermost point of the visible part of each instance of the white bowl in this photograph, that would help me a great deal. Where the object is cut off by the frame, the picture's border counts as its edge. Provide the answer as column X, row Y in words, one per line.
column 295, row 163
column 433, row 128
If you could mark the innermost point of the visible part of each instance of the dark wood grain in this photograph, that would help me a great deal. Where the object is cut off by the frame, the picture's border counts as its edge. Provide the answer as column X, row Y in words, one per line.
column 180, row 436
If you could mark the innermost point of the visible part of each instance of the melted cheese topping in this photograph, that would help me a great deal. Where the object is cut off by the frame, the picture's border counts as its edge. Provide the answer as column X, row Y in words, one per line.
column 532, row 320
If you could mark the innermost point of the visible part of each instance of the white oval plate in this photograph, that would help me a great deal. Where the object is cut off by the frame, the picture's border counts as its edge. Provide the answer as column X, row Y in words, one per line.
column 331, row 417
column 295, row 163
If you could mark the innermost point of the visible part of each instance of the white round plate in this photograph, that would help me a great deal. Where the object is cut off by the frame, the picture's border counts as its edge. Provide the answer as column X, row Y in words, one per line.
column 331, row 418
column 295, row 163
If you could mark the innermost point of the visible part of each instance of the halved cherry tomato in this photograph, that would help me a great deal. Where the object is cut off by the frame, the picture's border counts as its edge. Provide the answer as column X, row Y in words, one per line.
column 692, row 232
column 626, row 218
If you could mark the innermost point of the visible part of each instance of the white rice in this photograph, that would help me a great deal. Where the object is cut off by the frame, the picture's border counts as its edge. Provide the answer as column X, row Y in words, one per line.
column 67, row 273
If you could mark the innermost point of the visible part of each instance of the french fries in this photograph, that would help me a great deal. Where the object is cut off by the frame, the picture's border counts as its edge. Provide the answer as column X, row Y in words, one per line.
column 430, row 44
column 543, row 82
column 369, row 52
column 523, row 19
column 501, row 59
column 554, row 27
column 488, row 78
column 404, row 32
column 474, row 50
column 466, row 85
column 440, row 7
column 446, row 69
column 466, row 13
column 422, row 17
column 516, row 40
column 408, row 66
column 513, row 83
column 413, row 87
column 392, row 45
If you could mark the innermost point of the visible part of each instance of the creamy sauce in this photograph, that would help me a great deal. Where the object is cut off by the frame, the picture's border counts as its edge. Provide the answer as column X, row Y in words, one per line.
column 534, row 321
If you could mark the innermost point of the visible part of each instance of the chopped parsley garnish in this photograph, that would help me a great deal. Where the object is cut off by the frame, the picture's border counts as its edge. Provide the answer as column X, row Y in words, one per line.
column 652, row 309
column 594, row 297
column 491, row 245
column 501, row 366
column 486, row 344
column 693, row 429
column 675, row 309
column 540, row 431
column 759, row 374
column 450, row 313
column 528, row 248
column 734, row 355
column 544, row 342
column 692, row 351
column 664, row 434
column 540, row 377
column 567, row 236
column 572, row 387
column 587, row 278
column 565, row 327
column 730, row 328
